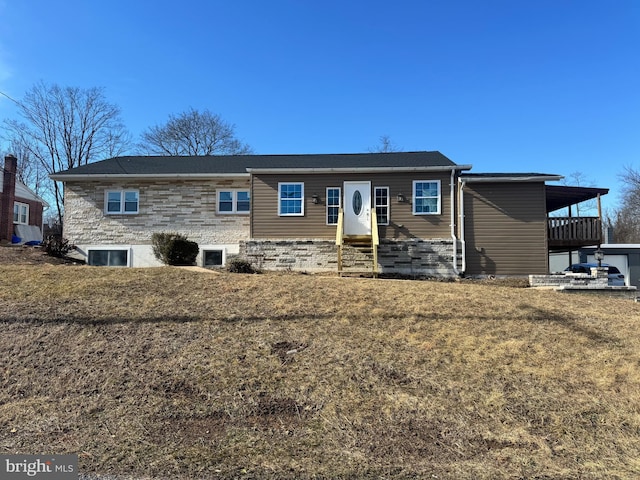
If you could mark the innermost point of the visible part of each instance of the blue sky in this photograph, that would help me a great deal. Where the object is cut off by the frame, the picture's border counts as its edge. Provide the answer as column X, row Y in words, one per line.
column 548, row 86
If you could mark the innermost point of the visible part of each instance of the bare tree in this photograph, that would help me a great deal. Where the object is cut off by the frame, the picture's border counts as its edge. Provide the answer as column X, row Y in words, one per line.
column 386, row 145
column 66, row 127
column 625, row 220
column 193, row 133
column 579, row 179
column 30, row 172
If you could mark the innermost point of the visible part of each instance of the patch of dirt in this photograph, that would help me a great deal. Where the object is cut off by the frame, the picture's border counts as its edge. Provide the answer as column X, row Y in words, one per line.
column 26, row 255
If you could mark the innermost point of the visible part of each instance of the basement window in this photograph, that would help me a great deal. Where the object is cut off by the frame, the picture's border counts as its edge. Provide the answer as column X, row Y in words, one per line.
column 212, row 258
column 109, row 258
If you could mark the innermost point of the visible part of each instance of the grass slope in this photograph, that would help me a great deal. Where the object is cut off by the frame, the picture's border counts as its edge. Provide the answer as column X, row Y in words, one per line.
column 180, row 374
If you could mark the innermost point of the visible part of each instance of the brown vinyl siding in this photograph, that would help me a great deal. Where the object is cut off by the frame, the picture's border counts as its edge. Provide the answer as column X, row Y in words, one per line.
column 505, row 228
column 266, row 223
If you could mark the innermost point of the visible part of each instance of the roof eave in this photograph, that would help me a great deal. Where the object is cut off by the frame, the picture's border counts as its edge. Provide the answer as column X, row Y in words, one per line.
column 318, row 170
column 533, row 178
column 61, row 177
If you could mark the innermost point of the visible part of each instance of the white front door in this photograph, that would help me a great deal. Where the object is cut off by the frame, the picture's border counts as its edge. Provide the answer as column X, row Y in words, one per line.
column 357, row 208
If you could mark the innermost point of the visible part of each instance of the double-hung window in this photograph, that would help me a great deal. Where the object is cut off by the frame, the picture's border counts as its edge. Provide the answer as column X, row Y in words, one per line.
column 121, row 202
column 333, row 205
column 233, row 201
column 21, row 213
column 291, row 199
column 426, row 197
column 382, row 205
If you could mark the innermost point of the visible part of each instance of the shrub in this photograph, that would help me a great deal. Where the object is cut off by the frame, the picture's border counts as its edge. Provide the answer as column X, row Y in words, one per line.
column 239, row 265
column 55, row 246
column 174, row 249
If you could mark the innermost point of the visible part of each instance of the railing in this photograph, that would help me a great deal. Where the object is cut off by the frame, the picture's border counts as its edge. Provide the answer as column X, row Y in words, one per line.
column 339, row 236
column 340, row 227
column 375, row 239
column 574, row 230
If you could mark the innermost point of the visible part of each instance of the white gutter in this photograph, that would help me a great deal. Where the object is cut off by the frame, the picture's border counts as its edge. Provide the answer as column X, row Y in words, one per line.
column 250, row 171
column 539, row 178
column 61, row 177
column 462, row 183
column 281, row 171
column 453, row 223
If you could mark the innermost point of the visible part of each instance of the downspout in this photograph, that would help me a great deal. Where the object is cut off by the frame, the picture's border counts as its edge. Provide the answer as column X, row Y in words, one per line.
column 462, row 237
column 453, row 223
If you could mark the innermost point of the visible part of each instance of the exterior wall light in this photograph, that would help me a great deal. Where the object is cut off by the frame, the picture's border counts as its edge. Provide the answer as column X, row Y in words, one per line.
column 599, row 256
column 315, row 199
column 401, row 198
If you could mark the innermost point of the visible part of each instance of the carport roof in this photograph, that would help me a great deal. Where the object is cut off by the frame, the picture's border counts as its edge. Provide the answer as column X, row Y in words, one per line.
column 561, row 196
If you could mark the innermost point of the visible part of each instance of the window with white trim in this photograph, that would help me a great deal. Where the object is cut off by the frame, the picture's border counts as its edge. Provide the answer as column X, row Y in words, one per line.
column 426, row 197
column 213, row 258
column 108, row 258
column 381, row 195
column 21, row 213
column 290, row 199
column 333, row 205
column 121, row 202
column 233, row 201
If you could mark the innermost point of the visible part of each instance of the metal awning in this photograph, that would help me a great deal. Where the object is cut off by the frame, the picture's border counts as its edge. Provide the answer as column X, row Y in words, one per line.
column 560, row 196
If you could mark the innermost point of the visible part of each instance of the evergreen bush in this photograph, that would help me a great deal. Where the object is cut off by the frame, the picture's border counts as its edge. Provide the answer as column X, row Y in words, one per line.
column 56, row 246
column 174, row 249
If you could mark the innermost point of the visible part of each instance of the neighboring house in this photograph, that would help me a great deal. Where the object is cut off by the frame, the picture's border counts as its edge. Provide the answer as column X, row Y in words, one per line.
column 21, row 210
column 415, row 213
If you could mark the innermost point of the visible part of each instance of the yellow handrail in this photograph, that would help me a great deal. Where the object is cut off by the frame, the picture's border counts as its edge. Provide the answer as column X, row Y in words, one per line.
column 375, row 240
column 374, row 227
column 339, row 232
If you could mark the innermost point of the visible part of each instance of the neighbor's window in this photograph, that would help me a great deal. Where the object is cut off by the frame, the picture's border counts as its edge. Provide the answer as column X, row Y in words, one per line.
column 21, row 213
column 234, row 201
column 333, row 205
column 290, row 197
column 426, row 197
column 121, row 201
column 108, row 258
column 382, row 205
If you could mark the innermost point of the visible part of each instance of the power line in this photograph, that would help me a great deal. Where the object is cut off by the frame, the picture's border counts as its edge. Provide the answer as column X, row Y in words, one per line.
column 10, row 98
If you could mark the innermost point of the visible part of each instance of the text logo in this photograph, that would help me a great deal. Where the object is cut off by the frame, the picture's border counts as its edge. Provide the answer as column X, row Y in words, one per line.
column 46, row 467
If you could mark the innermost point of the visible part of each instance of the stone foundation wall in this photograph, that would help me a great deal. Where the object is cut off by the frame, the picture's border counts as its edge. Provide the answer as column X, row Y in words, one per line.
column 417, row 257
column 409, row 257
column 598, row 279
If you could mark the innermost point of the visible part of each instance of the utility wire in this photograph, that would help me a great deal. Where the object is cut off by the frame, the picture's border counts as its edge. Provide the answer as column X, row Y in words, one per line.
column 11, row 98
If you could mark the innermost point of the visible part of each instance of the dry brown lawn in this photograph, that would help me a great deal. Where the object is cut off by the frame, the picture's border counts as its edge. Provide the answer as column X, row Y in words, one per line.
column 172, row 373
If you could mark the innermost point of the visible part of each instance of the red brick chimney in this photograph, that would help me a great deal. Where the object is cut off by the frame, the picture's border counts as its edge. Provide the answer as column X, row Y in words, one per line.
column 8, row 197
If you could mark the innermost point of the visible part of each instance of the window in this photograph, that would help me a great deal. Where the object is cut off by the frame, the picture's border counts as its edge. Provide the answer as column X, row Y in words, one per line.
column 108, row 258
column 121, row 201
column 213, row 258
column 21, row 213
column 382, row 205
column 333, row 205
column 426, row 197
column 233, row 201
column 290, row 197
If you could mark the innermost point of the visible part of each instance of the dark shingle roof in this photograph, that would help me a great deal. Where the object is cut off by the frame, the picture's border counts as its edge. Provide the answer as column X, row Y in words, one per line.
column 238, row 164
